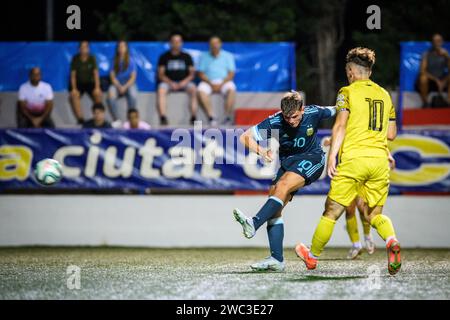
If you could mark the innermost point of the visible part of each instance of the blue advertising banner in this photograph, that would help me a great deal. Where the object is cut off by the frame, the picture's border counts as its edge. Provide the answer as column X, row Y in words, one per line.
column 191, row 159
column 259, row 66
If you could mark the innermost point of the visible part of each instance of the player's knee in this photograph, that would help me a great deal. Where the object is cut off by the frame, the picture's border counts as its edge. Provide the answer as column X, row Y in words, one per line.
column 282, row 188
column 372, row 212
column 333, row 210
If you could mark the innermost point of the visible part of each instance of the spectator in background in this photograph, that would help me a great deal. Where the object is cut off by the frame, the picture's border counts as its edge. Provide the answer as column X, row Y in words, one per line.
column 134, row 122
column 216, row 72
column 35, row 102
column 434, row 70
column 123, row 80
column 176, row 73
column 84, row 78
column 98, row 120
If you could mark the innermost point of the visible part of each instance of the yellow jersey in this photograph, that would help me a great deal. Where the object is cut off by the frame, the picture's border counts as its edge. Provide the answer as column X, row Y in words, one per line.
column 371, row 109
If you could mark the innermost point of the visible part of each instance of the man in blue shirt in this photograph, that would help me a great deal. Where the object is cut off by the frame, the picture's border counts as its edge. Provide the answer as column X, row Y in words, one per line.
column 302, row 161
column 216, row 72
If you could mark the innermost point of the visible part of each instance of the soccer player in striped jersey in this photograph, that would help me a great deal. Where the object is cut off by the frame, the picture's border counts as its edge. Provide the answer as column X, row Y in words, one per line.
column 302, row 162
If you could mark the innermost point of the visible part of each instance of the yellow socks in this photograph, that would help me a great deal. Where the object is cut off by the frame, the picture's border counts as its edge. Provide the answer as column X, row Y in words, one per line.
column 352, row 229
column 366, row 227
column 322, row 235
column 384, row 226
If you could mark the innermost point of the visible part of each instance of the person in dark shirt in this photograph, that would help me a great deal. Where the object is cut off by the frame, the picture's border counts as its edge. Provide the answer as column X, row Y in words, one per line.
column 84, row 78
column 175, row 73
column 434, row 70
column 98, row 120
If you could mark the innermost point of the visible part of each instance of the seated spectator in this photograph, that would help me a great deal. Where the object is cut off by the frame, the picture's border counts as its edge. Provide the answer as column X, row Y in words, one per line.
column 98, row 120
column 434, row 71
column 134, row 122
column 84, row 78
column 123, row 80
column 176, row 73
column 216, row 72
column 35, row 102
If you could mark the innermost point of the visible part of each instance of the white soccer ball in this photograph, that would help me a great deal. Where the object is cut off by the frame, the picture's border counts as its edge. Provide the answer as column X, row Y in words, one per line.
column 48, row 172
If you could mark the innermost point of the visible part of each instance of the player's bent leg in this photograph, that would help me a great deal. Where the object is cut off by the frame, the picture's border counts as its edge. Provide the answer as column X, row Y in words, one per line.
column 288, row 183
column 352, row 230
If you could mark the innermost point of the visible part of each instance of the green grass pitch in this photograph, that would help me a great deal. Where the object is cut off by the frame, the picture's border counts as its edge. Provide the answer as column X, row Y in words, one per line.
column 140, row 273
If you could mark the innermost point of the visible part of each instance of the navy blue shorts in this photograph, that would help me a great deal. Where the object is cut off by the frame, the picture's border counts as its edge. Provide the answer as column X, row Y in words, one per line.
column 309, row 165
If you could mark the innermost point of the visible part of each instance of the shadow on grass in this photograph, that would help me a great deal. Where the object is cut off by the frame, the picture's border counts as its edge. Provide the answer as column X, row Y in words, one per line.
column 311, row 278
column 334, row 259
column 250, row 272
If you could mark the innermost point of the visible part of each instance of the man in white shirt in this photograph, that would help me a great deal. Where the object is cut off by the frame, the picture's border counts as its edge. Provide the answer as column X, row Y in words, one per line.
column 35, row 102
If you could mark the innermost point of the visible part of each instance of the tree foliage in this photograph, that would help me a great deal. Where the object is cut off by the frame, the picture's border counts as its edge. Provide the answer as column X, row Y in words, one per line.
column 308, row 23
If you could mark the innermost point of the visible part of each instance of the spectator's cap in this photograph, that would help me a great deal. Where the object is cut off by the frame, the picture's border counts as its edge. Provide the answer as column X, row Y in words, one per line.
column 361, row 56
column 98, row 106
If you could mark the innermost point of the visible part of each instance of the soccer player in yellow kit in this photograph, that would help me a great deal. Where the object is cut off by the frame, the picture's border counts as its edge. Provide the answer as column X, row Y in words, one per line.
column 365, row 120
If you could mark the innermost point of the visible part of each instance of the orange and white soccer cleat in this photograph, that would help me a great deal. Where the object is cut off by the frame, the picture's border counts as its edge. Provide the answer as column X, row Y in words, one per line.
column 302, row 252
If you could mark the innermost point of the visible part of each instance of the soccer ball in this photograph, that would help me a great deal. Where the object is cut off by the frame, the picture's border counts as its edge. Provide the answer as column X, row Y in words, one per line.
column 48, row 172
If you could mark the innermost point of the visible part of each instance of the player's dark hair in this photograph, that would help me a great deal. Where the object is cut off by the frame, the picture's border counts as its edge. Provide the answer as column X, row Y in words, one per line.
column 132, row 110
column 291, row 102
column 361, row 56
column 98, row 106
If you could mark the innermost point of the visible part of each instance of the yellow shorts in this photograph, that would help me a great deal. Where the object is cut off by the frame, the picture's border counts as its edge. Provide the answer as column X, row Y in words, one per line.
column 365, row 176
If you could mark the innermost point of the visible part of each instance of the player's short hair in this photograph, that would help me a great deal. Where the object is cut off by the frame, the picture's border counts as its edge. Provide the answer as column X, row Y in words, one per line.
column 98, row 106
column 361, row 56
column 291, row 102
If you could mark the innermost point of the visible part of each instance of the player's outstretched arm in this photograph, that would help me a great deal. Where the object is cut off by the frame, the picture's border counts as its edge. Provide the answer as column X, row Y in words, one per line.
column 337, row 138
column 249, row 142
